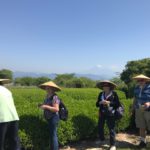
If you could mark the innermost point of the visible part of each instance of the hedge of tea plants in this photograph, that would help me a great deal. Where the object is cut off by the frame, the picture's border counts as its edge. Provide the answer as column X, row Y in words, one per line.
column 81, row 124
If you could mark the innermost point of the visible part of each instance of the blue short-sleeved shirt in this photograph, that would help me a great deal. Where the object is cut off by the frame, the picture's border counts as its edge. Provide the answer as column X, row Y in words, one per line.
column 142, row 95
column 50, row 101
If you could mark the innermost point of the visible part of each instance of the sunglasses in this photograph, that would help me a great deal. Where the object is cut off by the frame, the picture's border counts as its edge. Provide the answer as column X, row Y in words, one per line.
column 140, row 80
column 106, row 85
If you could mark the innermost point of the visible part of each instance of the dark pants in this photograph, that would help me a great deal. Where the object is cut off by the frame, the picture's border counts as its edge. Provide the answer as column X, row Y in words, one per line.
column 53, row 122
column 9, row 130
column 110, row 121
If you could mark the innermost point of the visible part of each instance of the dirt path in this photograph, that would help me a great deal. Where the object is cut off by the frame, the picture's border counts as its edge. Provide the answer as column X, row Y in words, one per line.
column 123, row 141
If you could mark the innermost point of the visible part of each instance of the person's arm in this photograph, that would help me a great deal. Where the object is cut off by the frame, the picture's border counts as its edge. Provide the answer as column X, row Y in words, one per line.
column 98, row 100
column 54, row 108
column 101, row 102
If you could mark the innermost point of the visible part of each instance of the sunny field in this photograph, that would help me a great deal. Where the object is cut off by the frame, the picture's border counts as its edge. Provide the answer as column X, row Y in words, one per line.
column 82, row 122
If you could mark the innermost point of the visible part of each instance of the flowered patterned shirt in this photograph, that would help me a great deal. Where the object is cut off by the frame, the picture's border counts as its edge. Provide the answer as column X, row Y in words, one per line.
column 51, row 101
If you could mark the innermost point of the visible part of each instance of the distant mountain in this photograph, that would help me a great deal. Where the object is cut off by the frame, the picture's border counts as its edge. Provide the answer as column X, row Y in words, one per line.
column 100, row 72
column 93, row 76
column 17, row 74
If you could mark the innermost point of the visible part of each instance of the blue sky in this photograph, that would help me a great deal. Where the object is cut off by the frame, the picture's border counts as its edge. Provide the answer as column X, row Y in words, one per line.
column 64, row 36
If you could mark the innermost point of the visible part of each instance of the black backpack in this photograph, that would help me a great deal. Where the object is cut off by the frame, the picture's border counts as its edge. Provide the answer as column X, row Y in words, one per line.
column 63, row 111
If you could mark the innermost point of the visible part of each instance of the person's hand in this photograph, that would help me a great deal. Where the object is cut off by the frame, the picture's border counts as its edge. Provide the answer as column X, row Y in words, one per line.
column 39, row 105
column 131, row 111
column 147, row 105
column 105, row 102
column 42, row 106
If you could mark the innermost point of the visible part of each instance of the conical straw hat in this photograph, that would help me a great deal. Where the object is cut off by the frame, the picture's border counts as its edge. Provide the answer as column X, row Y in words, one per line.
column 101, row 83
column 50, row 84
column 5, row 81
column 141, row 76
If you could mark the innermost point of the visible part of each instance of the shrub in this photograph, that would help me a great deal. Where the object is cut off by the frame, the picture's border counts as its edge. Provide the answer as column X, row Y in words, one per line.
column 82, row 122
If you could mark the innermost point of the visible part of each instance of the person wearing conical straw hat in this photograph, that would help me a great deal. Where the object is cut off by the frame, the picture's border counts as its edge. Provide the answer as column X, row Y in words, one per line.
column 141, row 105
column 8, row 118
column 51, row 108
column 107, row 103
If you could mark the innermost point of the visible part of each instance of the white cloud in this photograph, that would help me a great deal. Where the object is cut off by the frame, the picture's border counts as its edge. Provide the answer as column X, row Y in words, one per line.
column 99, row 66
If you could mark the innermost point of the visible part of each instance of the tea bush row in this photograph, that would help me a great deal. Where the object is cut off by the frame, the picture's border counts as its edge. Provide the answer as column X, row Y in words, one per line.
column 82, row 122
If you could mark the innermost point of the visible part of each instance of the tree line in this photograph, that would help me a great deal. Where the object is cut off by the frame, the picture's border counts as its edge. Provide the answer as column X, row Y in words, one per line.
column 124, row 81
column 64, row 80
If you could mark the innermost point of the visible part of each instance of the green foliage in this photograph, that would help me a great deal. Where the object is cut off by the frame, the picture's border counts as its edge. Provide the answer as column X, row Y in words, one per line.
column 24, row 81
column 29, row 81
column 6, row 74
column 132, row 69
column 120, row 85
column 88, row 82
column 69, row 80
column 41, row 80
column 81, row 82
column 75, row 83
column 62, row 78
column 25, row 139
column 125, row 122
column 82, row 122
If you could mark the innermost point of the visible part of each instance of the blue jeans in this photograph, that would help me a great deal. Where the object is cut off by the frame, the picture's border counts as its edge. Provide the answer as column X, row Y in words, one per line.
column 110, row 121
column 53, row 123
column 11, row 130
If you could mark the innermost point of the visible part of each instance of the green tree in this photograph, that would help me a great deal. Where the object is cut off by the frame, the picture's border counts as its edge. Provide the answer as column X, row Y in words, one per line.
column 61, row 79
column 29, row 81
column 132, row 69
column 75, row 83
column 41, row 80
column 69, row 80
column 17, row 81
column 88, row 82
column 120, row 85
column 6, row 74
column 25, row 81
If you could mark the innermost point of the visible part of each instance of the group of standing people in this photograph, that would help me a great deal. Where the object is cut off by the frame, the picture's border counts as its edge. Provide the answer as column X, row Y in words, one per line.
column 107, row 102
column 9, row 117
